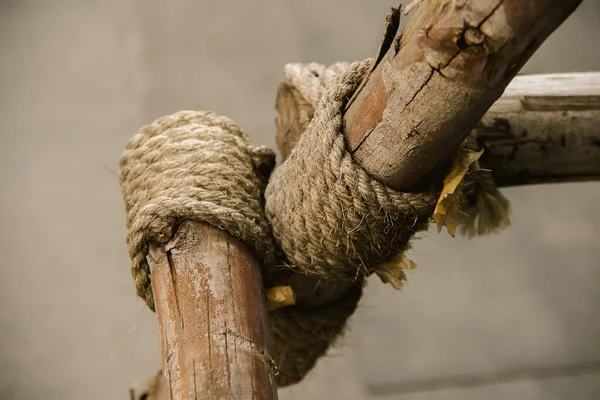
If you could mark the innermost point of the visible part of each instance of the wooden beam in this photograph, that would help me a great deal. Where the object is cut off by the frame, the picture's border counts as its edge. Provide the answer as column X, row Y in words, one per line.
column 212, row 321
column 436, row 80
column 544, row 129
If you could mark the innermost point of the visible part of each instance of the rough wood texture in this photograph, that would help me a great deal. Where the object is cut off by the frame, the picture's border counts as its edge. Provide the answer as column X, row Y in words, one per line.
column 211, row 314
column 437, row 79
column 544, row 128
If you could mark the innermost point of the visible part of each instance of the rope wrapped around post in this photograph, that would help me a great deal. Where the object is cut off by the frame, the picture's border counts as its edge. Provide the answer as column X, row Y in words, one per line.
column 335, row 221
column 345, row 224
column 322, row 217
column 329, row 219
column 199, row 166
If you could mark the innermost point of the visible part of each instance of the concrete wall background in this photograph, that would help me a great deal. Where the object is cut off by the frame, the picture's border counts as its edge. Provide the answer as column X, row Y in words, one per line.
column 78, row 78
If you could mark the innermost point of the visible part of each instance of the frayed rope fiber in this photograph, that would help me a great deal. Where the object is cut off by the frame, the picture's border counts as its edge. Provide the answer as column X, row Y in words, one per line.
column 320, row 214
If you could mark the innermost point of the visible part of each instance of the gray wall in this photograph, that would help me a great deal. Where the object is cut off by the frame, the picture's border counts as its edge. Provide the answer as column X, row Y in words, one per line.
column 77, row 78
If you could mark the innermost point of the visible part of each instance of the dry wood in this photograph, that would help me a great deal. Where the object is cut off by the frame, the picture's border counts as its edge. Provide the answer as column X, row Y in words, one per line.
column 434, row 82
column 544, row 128
column 213, row 326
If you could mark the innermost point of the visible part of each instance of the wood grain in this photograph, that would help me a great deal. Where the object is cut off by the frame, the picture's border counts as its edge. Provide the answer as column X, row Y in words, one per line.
column 211, row 314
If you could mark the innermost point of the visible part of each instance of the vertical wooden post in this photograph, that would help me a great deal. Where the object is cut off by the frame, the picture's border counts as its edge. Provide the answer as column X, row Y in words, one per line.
column 213, row 325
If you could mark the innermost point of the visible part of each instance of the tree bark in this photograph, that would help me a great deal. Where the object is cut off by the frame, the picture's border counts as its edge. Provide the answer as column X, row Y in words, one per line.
column 436, row 80
column 212, row 321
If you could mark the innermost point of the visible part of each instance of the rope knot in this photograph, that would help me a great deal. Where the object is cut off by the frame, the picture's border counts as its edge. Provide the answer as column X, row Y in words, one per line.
column 320, row 213
column 197, row 166
column 335, row 221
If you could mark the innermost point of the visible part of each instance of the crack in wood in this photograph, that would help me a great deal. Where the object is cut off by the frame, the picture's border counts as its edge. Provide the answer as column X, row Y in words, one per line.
column 208, row 330
column 261, row 354
column 195, row 377
column 170, row 385
column 233, row 300
column 227, row 360
column 172, row 275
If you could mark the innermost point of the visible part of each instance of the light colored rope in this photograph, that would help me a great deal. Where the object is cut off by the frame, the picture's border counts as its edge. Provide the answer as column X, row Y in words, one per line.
column 202, row 167
column 197, row 166
column 335, row 221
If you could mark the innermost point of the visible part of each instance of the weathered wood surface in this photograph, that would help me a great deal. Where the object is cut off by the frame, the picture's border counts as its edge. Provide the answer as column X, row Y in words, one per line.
column 437, row 79
column 212, row 321
column 544, row 128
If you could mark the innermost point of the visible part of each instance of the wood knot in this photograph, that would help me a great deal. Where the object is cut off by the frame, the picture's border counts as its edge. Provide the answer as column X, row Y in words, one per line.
column 471, row 37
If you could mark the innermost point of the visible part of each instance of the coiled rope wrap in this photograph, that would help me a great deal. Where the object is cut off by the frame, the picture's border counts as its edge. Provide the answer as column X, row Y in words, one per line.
column 334, row 221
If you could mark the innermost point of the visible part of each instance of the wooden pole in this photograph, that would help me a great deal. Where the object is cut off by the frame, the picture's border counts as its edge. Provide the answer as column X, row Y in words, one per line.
column 428, row 89
column 212, row 321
